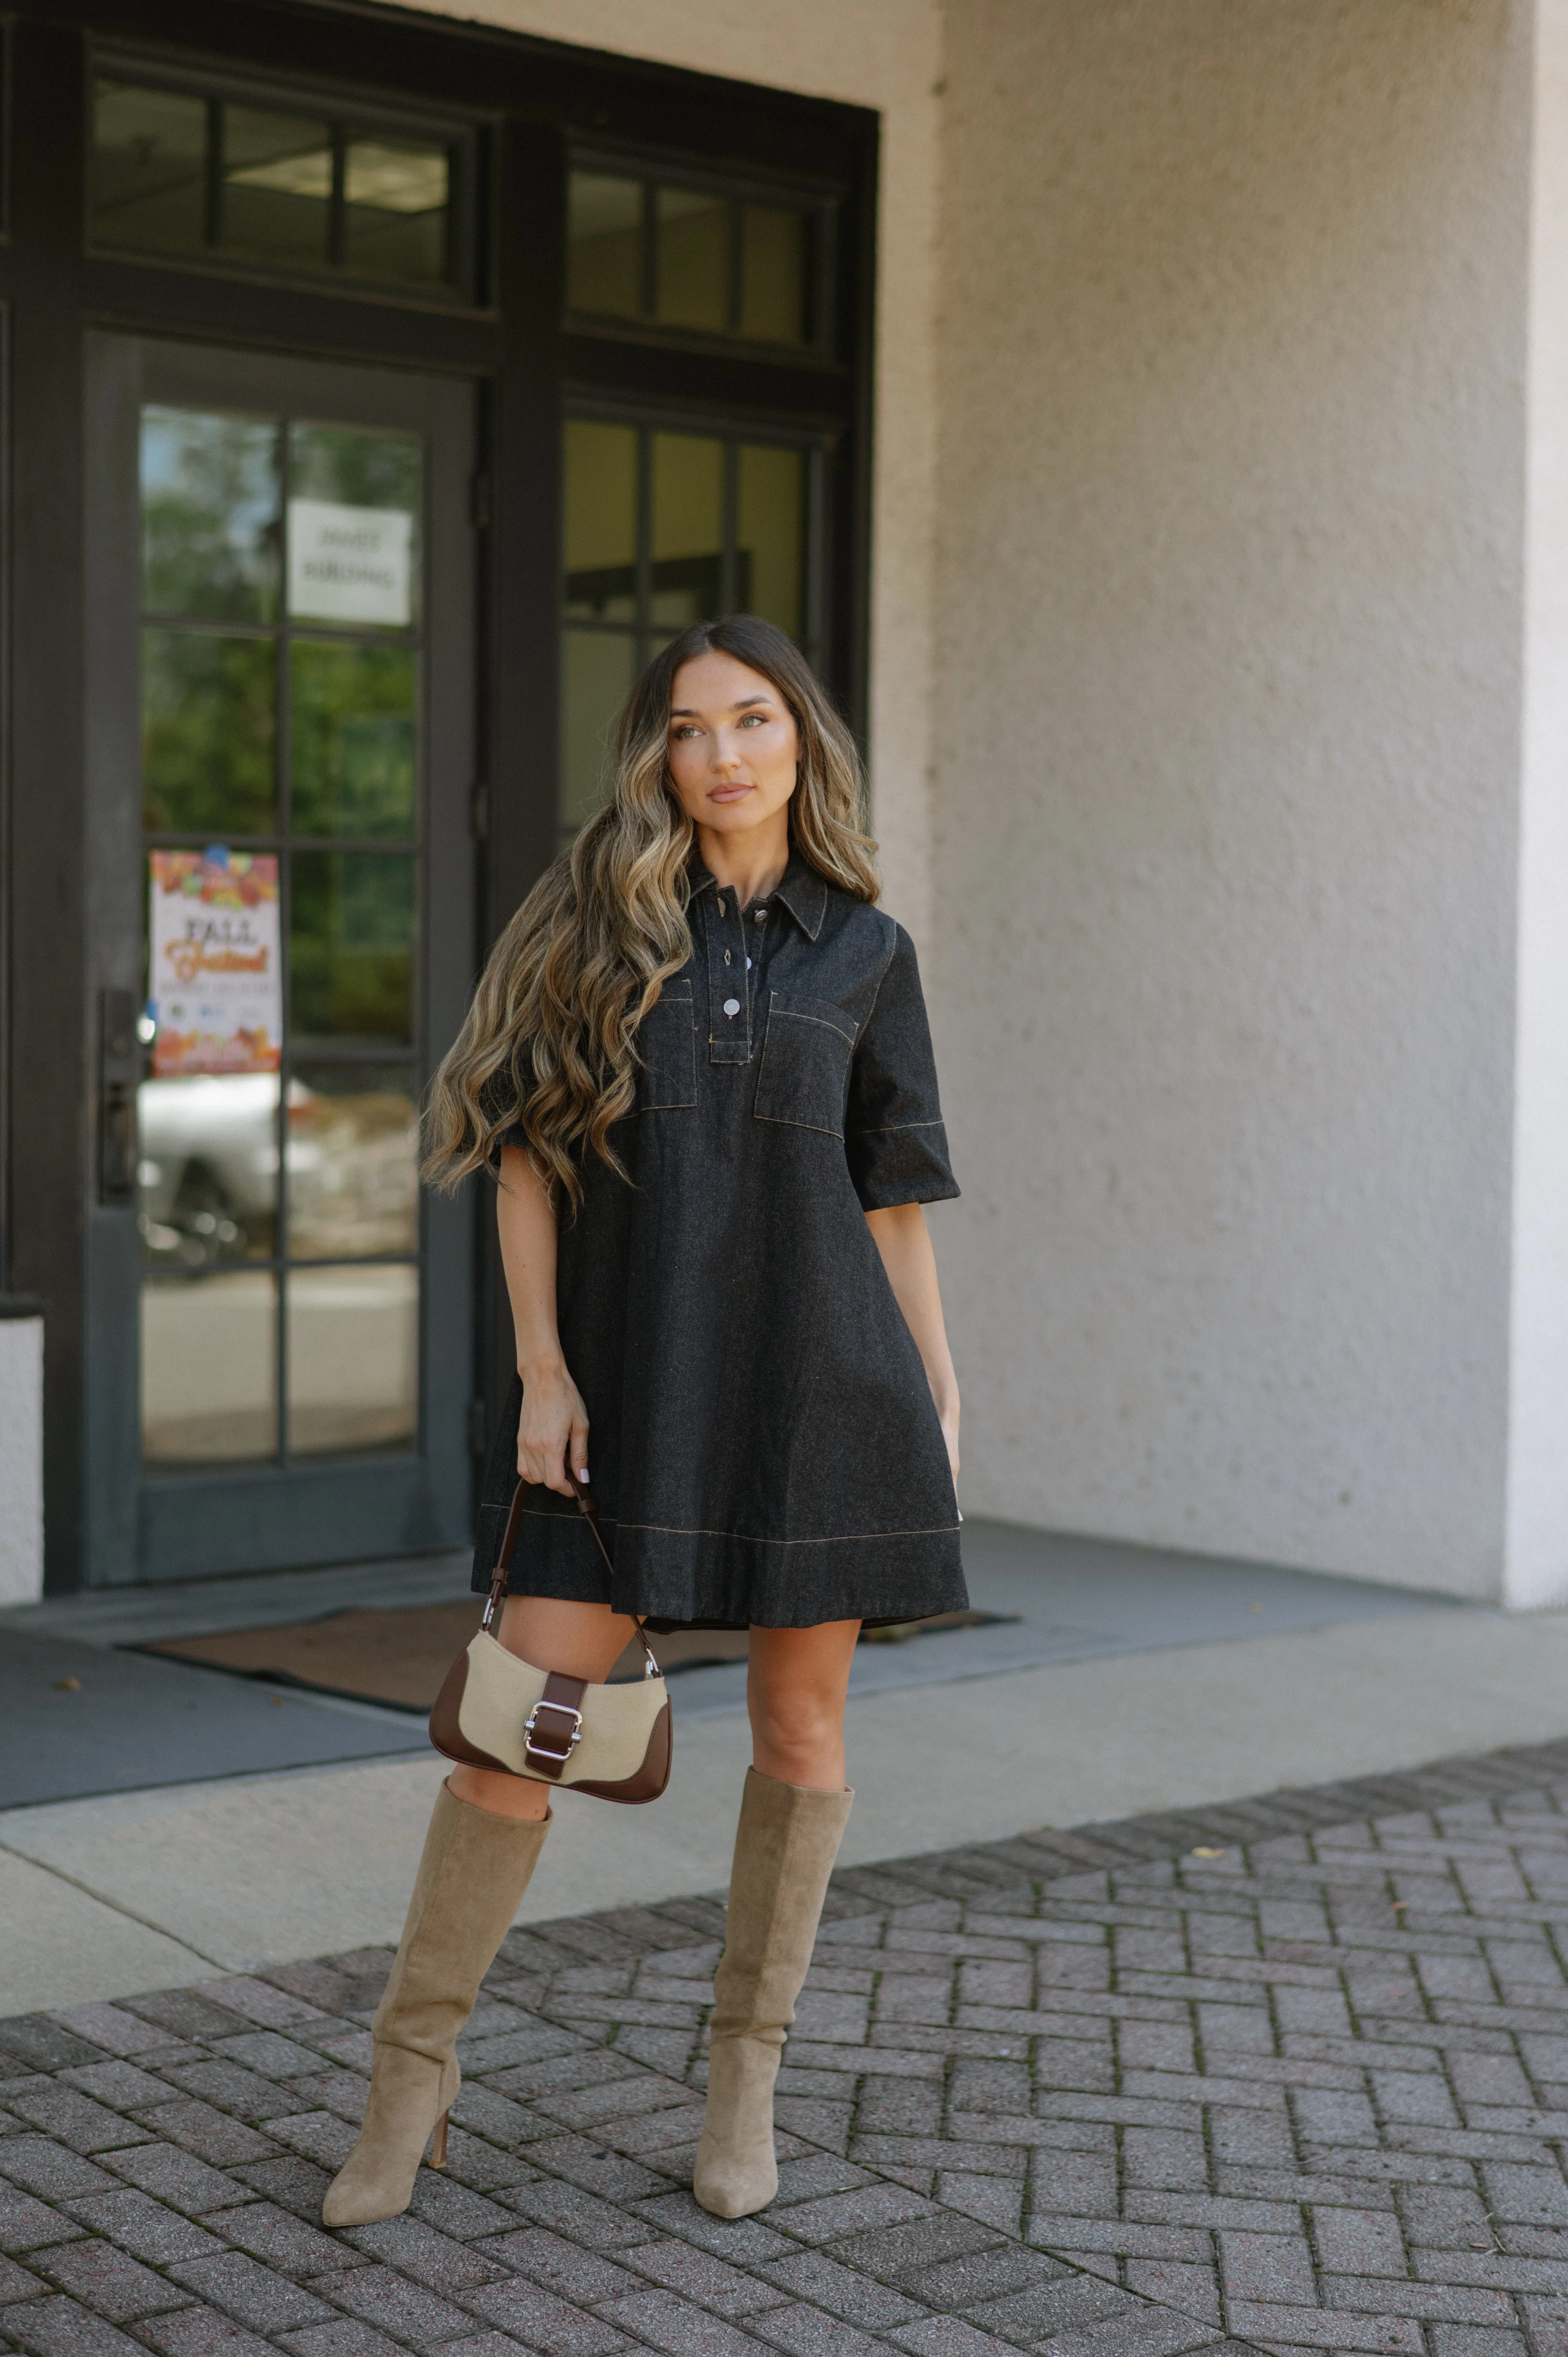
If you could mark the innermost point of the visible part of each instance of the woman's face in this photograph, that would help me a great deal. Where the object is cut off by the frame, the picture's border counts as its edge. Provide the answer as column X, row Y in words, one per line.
column 733, row 745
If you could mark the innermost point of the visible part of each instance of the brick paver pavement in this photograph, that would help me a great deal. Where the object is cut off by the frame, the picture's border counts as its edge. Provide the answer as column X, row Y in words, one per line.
column 1290, row 2075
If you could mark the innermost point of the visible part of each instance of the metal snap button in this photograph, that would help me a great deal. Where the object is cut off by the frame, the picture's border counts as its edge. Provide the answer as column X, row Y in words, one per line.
column 732, row 1006
column 762, row 916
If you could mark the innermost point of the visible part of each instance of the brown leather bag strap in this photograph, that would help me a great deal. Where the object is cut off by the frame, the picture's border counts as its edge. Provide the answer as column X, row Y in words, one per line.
column 590, row 1514
column 502, row 1571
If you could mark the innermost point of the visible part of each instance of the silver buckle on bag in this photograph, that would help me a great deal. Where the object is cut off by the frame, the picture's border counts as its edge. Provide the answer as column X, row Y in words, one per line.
column 548, row 1750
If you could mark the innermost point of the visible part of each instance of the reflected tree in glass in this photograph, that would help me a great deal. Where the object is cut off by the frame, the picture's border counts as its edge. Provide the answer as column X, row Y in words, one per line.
column 209, row 732
column 352, row 765
column 351, row 945
column 360, row 469
column 209, row 516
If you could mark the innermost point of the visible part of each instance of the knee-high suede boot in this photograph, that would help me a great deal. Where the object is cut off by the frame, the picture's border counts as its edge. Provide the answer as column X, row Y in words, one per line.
column 784, row 1846
column 471, row 1879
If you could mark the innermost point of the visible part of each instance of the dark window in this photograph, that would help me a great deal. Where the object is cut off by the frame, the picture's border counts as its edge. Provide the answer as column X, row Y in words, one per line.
column 706, row 259
column 184, row 172
column 664, row 527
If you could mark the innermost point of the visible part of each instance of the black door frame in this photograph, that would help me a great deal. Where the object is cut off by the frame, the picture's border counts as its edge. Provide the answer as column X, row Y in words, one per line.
column 529, row 101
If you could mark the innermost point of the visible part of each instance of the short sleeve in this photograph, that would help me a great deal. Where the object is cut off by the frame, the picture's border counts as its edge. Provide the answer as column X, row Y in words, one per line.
column 893, row 1137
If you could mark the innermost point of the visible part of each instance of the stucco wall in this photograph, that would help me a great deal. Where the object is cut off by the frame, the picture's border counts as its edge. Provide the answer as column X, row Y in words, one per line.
column 1227, row 722
column 1538, row 1456
column 884, row 54
column 21, row 1459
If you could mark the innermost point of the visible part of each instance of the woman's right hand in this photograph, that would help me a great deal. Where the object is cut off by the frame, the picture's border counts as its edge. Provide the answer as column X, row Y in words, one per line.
column 553, row 1430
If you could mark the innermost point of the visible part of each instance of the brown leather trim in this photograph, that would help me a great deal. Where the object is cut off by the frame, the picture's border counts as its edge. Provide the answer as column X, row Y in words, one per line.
column 447, row 1727
column 651, row 1778
column 549, row 1750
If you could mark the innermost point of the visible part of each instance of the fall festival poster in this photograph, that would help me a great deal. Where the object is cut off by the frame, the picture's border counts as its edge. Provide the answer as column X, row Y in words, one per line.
column 215, row 989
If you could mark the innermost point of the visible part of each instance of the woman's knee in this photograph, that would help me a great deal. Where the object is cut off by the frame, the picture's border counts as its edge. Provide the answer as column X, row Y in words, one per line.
column 796, row 1729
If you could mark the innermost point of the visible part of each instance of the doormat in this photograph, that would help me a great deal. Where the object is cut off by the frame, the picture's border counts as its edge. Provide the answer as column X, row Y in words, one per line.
column 399, row 1657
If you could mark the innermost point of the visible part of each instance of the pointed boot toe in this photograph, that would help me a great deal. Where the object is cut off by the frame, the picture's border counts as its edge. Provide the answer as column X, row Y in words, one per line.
column 737, row 2171
column 410, row 2095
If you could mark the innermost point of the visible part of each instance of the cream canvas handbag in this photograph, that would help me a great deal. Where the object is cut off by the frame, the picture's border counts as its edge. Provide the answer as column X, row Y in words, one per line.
column 498, row 1711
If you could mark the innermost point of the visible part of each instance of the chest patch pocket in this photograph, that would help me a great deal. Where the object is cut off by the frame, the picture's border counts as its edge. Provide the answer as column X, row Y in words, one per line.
column 804, row 1078
column 667, row 1045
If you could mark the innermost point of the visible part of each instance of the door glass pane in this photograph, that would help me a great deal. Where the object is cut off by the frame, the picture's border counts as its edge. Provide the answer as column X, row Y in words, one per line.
column 604, row 244
column 773, row 274
column 693, row 259
column 206, row 1176
column 149, row 166
column 601, row 521
column 353, row 526
column 353, row 1358
column 353, row 1161
column 209, row 516
column 770, row 534
column 351, row 945
column 209, row 732
column 351, row 739
column 210, row 1369
column 688, row 529
column 277, row 185
column 395, row 198
column 598, row 668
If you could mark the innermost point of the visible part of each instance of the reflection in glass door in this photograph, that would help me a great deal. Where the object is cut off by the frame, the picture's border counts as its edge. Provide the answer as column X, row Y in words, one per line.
column 278, row 1208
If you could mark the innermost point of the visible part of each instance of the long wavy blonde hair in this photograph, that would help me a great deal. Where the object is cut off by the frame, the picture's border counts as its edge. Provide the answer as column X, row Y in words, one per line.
column 549, row 1043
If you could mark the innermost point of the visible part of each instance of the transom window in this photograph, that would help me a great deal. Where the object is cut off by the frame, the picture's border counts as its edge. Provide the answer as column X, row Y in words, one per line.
column 663, row 529
column 186, row 172
column 674, row 255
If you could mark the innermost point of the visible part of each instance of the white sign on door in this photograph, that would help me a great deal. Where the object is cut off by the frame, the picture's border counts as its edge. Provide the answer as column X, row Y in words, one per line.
column 350, row 565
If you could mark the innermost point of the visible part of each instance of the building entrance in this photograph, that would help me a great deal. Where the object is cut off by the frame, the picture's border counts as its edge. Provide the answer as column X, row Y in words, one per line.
column 281, row 718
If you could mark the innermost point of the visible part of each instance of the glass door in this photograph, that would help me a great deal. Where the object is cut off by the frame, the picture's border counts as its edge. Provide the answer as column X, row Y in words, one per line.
column 303, row 933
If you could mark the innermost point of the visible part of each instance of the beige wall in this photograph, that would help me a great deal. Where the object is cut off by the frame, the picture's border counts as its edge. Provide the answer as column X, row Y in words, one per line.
column 884, row 54
column 1230, row 610
column 1219, row 641
column 1538, row 1386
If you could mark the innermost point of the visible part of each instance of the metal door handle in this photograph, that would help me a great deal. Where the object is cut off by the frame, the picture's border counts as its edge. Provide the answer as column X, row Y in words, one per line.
column 118, row 1062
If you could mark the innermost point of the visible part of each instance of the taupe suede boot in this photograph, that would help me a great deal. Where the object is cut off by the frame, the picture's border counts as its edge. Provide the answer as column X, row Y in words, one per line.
column 784, row 1846
column 471, row 1879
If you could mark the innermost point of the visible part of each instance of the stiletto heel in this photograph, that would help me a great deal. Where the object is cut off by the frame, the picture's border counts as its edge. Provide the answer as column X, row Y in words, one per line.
column 438, row 2143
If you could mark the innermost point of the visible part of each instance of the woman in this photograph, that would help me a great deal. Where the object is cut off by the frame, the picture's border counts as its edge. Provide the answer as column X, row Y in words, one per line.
column 698, row 1061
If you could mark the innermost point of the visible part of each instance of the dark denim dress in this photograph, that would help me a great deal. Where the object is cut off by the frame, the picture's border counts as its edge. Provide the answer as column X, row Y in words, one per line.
column 762, row 1439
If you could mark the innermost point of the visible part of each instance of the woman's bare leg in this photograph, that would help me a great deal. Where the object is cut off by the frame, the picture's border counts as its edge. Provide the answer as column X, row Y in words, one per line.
column 795, row 1692
column 581, row 1640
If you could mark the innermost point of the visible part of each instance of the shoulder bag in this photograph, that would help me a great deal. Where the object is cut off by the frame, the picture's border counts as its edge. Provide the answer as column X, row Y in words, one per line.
column 498, row 1711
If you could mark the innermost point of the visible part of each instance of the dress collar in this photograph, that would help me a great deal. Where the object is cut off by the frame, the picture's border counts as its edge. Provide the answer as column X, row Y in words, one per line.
column 803, row 892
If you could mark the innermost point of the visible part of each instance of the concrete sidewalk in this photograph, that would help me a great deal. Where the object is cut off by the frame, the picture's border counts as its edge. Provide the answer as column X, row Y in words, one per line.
column 1285, row 2075
column 138, row 1890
